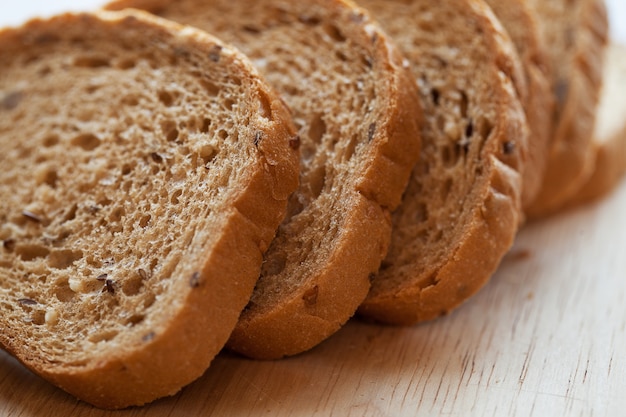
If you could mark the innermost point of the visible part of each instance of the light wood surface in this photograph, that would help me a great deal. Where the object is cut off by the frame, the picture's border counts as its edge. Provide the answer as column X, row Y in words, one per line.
column 546, row 337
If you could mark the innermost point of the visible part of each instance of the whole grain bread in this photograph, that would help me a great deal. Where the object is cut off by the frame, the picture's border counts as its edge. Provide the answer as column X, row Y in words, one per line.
column 519, row 20
column 357, row 110
column 146, row 167
column 609, row 137
column 576, row 33
column 462, row 207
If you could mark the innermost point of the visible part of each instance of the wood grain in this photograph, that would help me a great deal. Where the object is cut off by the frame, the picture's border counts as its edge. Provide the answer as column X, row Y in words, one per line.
column 546, row 337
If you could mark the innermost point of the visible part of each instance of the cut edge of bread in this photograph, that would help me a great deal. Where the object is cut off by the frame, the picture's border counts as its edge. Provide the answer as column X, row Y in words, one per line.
column 213, row 296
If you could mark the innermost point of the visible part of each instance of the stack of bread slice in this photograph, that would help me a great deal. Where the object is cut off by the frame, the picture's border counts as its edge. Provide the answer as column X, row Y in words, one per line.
column 257, row 173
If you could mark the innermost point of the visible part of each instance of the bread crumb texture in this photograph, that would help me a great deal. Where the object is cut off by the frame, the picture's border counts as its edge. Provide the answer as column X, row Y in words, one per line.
column 460, row 212
column 126, row 145
column 356, row 110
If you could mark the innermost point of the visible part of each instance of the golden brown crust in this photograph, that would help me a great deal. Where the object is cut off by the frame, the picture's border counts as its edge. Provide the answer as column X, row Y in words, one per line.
column 418, row 282
column 188, row 333
column 577, row 88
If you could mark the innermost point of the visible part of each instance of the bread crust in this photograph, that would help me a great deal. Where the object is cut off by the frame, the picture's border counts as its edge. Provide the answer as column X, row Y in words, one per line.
column 610, row 132
column 576, row 89
column 329, row 289
column 406, row 290
column 186, row 334
column 520, row 22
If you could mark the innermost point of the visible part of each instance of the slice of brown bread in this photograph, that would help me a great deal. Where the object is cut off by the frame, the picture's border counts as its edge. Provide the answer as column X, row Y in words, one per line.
column 146, row 167
column 609, row 137
column 462, row 207
column 520, row 22
column 576, row 33
column 357, row 109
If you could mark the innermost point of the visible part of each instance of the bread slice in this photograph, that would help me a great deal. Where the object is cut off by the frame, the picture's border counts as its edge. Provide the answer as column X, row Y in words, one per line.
column 357, row 110
column 609, row 137
column 520, row 22
column 462, row 207
column 576, row 33
column 146, row 167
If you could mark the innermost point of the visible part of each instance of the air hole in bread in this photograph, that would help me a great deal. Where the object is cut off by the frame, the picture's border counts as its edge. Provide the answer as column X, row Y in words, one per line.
column 317, row 128
column 485, row 127
column 210, row 87
column 169, row 129
column 130, row 100
column 87, row 141
column 317, row 178
column 31, row 252
column 132, row 285
column 91, row 62
column 62, row 291
column 229, row 104
column 350, row 148
column 166, row 98
column 127, row 169
column 450, row 155
column 126, row 63
column 222, row 134
column 149, row 300
column 50, row 140
column 206, row 125
column 116, row 214
column 175, row 198
column 464, row 104
column 145, row 219
column 446, row 189
column 103, row 336
column 48, row 176
column 62, row 259
column 334, row 33
column 208, row 153
column 38, row 317
column 469, row 130
column 265, row 106
column 435, row 95
column 70, row 213
column 341, row 56
column 135, row 319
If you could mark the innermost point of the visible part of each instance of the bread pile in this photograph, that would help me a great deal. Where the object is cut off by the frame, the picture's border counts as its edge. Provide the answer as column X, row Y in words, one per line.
column 257, row 173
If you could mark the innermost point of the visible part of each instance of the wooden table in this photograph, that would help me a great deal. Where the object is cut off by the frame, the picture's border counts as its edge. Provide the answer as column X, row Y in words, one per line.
column 546, row 337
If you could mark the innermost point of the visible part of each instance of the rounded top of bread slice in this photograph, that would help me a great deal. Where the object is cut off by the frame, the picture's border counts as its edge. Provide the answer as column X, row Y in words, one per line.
column 146, row 167
column 576, row 33
column 356, row 108
column 520, row 22
column 461, row 210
